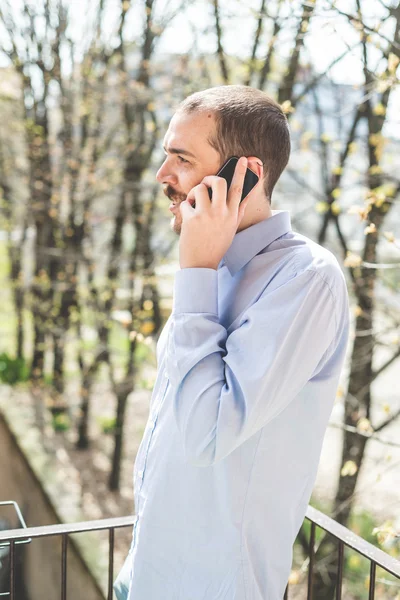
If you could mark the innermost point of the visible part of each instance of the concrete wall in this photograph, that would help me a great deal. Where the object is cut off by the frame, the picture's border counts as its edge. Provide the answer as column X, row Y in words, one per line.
column 42, row 557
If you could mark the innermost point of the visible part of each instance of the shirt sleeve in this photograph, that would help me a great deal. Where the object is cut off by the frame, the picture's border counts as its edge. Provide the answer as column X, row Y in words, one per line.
column 227, row 387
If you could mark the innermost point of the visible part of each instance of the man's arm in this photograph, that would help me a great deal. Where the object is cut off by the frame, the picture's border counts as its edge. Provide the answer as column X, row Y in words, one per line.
column 228, row 387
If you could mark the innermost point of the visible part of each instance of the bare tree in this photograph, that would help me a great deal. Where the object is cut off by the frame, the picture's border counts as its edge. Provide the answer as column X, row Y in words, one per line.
column 14, row 220
column 65, row 159
column 220, row 50
column 364, row 274
column 140, row 135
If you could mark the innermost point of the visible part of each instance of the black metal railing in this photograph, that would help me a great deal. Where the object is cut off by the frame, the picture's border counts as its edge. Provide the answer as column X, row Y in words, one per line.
column 347, row 538
column 343, row 535
column 20, row 518
column 13, row 536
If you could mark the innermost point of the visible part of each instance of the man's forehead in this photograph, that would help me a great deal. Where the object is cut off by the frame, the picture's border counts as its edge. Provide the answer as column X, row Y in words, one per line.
column 189, row 129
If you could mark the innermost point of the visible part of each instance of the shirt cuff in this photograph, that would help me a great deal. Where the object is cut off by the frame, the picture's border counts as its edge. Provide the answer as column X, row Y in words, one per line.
column 195, row 291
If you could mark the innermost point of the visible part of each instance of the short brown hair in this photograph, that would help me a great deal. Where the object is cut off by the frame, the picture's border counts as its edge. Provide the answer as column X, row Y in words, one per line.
column 248, row 123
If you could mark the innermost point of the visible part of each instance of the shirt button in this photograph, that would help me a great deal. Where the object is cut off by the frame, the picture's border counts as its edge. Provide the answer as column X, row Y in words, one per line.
column 140, row 474
column 152, row 424
column 166, row 374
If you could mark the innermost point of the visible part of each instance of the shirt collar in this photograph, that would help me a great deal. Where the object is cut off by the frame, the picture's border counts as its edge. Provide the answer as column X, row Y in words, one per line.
column 250, row 241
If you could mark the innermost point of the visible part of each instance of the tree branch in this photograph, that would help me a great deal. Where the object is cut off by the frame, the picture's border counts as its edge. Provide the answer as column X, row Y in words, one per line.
column 366, row 27
column 320, row 76
column 387, row 422
column 257, row 37
column 220, row 50
column 286, row 88
column 369, row 435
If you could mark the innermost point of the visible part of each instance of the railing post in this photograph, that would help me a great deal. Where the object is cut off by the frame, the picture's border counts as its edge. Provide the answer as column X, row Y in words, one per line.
column 311, row 564
column 339, row 577
column 372, row 573
column 110, row 562
column 12, row 570
column 64, row 566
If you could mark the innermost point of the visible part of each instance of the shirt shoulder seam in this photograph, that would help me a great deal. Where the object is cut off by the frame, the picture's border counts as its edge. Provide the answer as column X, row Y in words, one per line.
column 311, row 269
column 321, row 278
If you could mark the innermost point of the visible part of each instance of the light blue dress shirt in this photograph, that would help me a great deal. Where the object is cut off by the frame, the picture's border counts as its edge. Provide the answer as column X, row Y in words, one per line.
column 248, row 368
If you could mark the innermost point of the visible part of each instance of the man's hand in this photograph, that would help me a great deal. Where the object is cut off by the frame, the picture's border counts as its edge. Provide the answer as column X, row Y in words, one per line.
column 208, row 229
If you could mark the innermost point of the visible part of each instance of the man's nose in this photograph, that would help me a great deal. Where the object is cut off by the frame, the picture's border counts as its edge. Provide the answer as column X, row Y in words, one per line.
column 165, row 175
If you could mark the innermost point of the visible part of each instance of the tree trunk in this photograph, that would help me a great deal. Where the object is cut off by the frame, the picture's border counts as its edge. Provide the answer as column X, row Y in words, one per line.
column 37, row 365
column 357, row 405
column 114, row 480
column 285, row 91
column 83, row 422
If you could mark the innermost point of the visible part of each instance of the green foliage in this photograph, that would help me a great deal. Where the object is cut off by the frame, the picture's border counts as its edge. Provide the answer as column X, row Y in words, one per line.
column 143, row 353
column 4, row 262
column 61, row 422
column 119, row 342
column 13, row 370
column 107, row 424
column 363, row 524
column 146, row 384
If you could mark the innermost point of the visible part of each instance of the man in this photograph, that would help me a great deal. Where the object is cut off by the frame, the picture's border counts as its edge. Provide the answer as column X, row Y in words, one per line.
column 248, row 366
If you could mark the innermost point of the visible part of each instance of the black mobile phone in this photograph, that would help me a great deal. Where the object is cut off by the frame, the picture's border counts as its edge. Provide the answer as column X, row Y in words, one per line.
column 227, row 171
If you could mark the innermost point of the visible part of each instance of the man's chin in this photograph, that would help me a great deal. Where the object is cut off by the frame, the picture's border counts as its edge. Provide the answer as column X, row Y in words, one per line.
column 175, row 225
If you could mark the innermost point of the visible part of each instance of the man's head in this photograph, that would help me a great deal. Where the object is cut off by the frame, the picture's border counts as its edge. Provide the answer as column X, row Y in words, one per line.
column 211, row 126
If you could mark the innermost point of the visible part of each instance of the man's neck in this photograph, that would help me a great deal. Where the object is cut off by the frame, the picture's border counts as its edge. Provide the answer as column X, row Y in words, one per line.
column 257, row 213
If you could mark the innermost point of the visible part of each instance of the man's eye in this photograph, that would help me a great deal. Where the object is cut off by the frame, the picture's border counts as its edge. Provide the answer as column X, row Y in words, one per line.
column 182, row 160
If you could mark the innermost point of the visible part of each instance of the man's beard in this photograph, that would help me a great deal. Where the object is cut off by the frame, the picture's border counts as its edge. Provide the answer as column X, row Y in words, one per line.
column 173, row 195
column 177, row 198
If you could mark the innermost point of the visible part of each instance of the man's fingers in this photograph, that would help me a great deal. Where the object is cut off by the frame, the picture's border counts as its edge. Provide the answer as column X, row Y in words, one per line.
column 198, row 196
column 236, row 187
column 190, row 197
column 185, row 209
column 242, row 208
column 219, row 188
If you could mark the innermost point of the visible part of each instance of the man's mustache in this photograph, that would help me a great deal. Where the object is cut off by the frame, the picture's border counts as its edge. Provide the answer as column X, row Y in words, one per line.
column 173, row 194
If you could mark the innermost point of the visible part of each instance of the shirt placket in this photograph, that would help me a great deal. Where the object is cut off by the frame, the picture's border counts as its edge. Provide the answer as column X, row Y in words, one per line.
column 151, row 425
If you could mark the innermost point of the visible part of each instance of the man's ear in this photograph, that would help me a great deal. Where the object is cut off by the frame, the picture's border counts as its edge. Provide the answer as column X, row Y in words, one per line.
column 255, row 164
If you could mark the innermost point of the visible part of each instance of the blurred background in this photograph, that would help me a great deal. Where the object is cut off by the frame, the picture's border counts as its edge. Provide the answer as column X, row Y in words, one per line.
column 87, row 255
